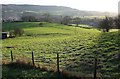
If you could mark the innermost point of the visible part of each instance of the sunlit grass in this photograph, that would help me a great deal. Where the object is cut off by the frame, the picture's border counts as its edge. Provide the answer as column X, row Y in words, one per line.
column 78, row 43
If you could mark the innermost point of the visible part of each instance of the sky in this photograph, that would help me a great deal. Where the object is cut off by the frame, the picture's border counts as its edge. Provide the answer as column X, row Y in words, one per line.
column 89, row 5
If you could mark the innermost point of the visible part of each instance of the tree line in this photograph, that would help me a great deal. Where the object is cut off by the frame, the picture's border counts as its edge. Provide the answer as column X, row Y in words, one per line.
column 104, row 24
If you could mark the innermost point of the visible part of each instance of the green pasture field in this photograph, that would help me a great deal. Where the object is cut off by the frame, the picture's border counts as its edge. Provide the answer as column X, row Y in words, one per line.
column 76, row 46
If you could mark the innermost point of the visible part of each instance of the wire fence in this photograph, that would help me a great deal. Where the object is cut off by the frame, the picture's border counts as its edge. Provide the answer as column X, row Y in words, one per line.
column 63, row 62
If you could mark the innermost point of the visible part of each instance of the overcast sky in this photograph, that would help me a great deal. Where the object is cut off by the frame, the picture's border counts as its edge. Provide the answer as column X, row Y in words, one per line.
column 90, row 5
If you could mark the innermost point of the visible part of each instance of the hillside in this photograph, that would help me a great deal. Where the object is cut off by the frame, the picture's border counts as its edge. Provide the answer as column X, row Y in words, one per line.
column 16, row 11
column 77, row 48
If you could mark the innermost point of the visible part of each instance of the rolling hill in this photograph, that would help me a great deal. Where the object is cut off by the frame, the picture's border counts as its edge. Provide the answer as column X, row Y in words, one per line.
column 16, row 11
column 77, row 48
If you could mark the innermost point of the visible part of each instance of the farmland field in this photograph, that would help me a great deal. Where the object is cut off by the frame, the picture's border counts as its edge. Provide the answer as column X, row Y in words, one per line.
column 77, row 48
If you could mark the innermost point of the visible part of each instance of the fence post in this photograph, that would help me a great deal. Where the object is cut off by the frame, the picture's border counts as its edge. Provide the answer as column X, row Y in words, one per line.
column 58, row 70
column 33, row 59
column 11, row 56
column 95, row 68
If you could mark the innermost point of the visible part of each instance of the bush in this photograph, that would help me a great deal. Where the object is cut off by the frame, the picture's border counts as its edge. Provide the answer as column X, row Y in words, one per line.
column 70, row 25
column 18, row 31
column 40, row 24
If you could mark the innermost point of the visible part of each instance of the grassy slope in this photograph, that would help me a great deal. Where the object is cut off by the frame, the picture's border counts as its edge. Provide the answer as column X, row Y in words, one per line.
column 79, row 44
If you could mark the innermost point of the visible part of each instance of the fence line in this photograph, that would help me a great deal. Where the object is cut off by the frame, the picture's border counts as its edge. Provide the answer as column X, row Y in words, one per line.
column 33, row 59
column 58, row 63
column 95, row 68
column 11, row 56
column 58, row 70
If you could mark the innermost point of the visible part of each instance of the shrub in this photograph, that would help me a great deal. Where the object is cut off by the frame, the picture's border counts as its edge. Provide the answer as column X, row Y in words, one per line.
column 18, row 31
column 11, row 33
column 40, row 24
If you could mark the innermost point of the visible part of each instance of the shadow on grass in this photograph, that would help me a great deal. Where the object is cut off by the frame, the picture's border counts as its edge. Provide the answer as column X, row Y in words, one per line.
column 108, row 54
column 22, row 70
column 25, row 70
column 106, row 49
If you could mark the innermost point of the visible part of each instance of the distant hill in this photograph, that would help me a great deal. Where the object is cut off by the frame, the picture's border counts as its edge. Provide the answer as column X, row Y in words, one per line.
column 16, row 11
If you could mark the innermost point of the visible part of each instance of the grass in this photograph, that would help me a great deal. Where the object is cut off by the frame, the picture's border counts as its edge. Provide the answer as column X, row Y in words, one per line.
column 22, row 69
column 11, row 26
column 77, row 48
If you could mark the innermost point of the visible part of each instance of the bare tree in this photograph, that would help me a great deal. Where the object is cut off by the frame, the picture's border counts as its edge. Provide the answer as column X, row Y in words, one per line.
column 106, row 24
column 47, row 17
column 28, row 18
column 117, row 22
column 77, row 20
column 66, row 20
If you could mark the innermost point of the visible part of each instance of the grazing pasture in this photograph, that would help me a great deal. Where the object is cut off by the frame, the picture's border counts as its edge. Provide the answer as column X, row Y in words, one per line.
column 77, row 48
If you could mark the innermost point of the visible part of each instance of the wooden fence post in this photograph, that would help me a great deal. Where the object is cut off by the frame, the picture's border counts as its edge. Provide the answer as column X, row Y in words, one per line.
column 33, row 59
column 58, row 70
column 95, row 69
column 11, row 56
